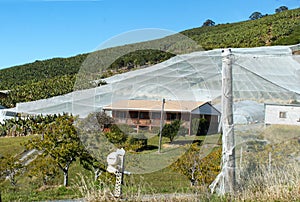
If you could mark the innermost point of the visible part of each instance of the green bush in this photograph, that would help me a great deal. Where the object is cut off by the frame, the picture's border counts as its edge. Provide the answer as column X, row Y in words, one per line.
column 200, row 126
column 116, row 135
column 136, row 142
column 171, row 130
column 200, row 170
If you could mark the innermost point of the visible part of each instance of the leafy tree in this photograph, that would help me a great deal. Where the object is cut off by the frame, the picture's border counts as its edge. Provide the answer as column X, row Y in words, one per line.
column 92, row 164
column 136, row 142
column 199, row 168
column 208, row 23
column 116, row 135
column 104, row 120
column 281, row 9
column 10, row 167
column 60, row 142
column 171, row 130
column 43, row 167
column 255, row 16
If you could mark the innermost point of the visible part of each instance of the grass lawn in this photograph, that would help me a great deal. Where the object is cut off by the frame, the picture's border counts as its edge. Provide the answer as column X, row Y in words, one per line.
column 11, row 145
column 153, row 177
column 151, row 173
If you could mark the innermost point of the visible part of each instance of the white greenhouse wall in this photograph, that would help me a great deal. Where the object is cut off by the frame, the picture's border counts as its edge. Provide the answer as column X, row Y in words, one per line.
column 282, row 114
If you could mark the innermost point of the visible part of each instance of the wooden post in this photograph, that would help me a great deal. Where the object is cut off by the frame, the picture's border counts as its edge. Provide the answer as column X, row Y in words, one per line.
column 161, row 124
column 227, row 123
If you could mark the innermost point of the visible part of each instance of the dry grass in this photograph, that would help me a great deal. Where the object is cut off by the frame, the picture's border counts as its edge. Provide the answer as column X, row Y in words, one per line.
column 278, row 184
column 93, row 191
column 281, row 133
column 271, row 173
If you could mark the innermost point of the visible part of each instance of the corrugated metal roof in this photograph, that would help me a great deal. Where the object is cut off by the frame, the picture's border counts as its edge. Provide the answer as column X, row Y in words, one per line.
column 206, row 109
column 152, row 105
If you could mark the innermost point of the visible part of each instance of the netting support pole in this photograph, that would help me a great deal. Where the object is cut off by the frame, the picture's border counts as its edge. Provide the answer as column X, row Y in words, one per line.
column 161, row 124
column 227, row 123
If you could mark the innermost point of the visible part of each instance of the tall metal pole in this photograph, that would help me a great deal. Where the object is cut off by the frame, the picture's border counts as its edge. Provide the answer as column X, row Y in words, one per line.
column 161, row 124
column 227, row 123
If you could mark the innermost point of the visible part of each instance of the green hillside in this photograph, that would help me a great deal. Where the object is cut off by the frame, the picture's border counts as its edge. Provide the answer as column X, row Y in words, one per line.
column 44, row 79
column 278, row 29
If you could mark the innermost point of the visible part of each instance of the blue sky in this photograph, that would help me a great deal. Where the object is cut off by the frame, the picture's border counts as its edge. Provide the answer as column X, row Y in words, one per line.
column 41, row 29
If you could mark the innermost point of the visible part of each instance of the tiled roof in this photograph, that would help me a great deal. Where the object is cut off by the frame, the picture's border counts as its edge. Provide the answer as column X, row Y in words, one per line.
column 151, row 105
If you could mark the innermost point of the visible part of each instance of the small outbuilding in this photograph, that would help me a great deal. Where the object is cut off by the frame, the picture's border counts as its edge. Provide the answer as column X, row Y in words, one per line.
column 146, row 114
column 285, row 114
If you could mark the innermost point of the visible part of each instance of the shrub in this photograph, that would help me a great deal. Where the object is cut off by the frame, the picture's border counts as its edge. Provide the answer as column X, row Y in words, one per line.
column 171, row 130
column 136, row 142
column 115, row 135
column 197, row 169
column 200, row 126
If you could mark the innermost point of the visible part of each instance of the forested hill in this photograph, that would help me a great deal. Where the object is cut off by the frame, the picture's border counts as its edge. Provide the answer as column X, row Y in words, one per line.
column 47, row 78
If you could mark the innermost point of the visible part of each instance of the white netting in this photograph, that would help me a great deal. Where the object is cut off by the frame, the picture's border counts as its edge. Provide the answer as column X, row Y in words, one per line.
column 260, row 75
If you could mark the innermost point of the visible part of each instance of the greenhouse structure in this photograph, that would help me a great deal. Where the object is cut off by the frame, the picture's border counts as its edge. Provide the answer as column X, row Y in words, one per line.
column 263, row 74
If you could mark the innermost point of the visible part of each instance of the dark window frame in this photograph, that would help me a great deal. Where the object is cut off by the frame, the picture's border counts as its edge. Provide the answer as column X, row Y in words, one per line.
column 282, row 115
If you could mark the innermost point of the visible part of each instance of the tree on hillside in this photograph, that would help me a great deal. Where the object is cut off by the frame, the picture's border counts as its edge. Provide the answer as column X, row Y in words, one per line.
column 281, row 9
column 43, row 168
column 104, row 120
column 60, row 142
column 92, row 164
column 200, row 168
column 10, row 167
column 255, row 16
column 208, row 23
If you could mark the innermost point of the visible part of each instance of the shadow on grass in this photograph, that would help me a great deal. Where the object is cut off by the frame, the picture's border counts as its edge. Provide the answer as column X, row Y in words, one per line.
column 184, row 142
column 149, row 148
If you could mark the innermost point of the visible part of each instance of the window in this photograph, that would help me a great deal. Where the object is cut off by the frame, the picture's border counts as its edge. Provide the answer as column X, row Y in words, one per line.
column 133, row 114
column 282, row 115
column 171, row 116
column 120, row 114
column 10, row 113
column 144, row 115
column 155, row 115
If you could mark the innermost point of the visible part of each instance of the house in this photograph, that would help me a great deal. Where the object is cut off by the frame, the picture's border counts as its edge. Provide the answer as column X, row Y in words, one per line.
column 286, row 114
column 146, row 114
